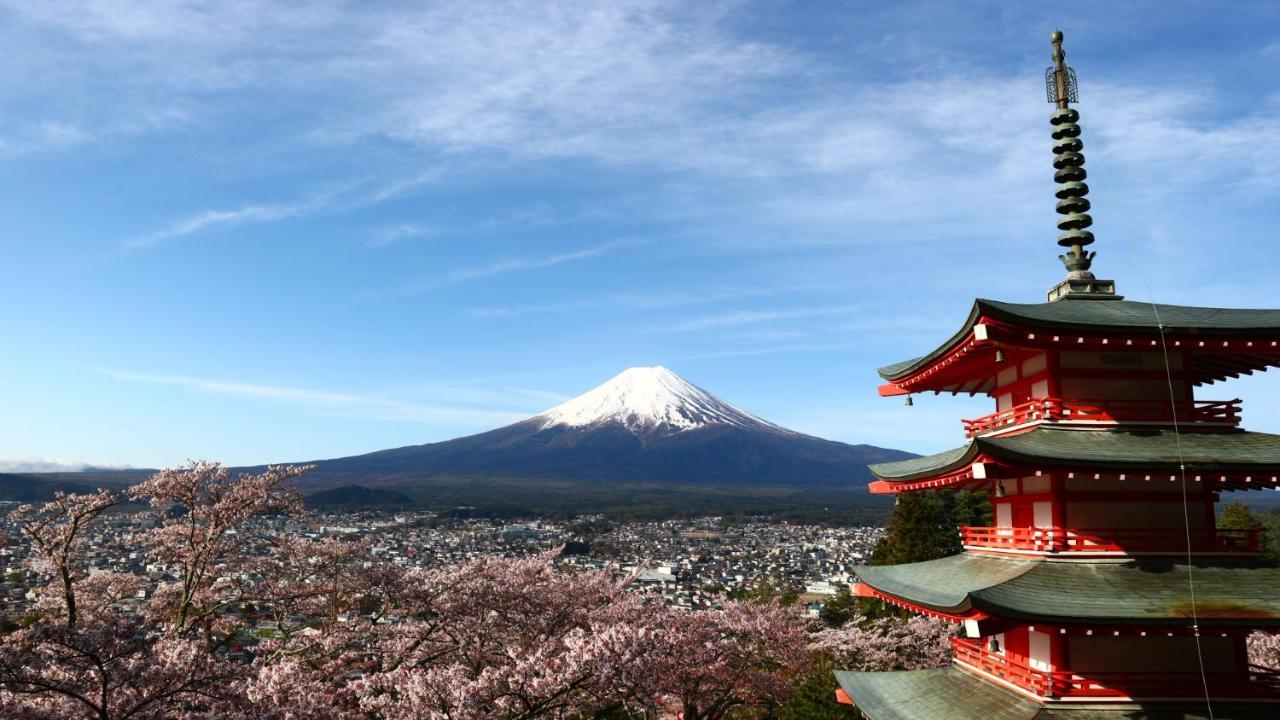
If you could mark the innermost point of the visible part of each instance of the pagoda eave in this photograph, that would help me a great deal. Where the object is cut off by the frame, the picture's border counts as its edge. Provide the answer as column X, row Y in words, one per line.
column 1222, row 343
column 1235, row 460
column 957, row 694
column 1132, row 592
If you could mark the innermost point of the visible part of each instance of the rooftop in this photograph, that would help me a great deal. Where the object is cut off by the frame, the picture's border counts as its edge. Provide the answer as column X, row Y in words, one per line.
column 952, row 693
column 1103, row 448
column 1126, row 316
column 1142, row 592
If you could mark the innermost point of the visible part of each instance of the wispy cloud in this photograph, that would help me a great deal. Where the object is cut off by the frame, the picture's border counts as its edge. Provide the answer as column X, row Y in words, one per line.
column 750, row 317
column 517, row 311
column 345, row 196
column 42, row 136
column 508, row 265
column 392, row 234
column 343, row 403
column 769, row 350
column 206, row 219
column 645, row 301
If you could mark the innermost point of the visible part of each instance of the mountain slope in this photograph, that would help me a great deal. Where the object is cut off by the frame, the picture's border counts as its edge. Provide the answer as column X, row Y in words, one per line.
column 645, row 425
column 646, row 443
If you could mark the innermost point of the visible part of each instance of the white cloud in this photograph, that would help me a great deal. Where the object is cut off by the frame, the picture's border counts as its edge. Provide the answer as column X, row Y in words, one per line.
column 341, row 403
column 347, row 196
column 750, row 317
column 507, row 265
column 517, row 311
column 213, row 218
column 789, row 349
column 44, row 135
column 641, row 301
column 392, row 234
column 655, row 85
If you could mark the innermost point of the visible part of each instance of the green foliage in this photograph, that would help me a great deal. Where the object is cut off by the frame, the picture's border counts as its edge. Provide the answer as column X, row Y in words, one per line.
column 973, row 508
column 1270, row 523
column 815, row 697
column 1235, row 515
column 841, row 608
column 922, row 527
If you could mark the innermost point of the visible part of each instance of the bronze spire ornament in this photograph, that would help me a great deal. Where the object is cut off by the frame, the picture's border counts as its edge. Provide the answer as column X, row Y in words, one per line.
column 1069, row 174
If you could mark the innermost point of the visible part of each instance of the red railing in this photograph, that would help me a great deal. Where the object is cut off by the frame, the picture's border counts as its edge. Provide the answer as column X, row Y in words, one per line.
column 1015, row 669
column 1218, row 412
column 1112, row 540
column 1009, row 667
column 1255, row 682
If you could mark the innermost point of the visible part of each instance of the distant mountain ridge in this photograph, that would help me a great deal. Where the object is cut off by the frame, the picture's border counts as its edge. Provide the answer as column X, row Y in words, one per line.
column 645, row 424
column 646, row 438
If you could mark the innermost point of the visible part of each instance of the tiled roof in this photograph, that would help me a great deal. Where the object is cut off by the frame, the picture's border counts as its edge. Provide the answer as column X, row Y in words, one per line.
column 954, row 694
column 1102, row 448
column 1141, row 592
column 1096, row 315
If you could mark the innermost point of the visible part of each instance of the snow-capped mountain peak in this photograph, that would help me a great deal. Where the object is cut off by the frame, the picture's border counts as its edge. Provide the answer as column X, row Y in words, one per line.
column 649, row 397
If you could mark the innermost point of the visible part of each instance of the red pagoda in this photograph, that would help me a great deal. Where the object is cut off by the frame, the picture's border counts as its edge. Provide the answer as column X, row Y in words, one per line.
column 1104, row 590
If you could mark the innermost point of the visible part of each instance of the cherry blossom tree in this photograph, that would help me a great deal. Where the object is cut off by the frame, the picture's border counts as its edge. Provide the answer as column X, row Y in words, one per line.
column 887, row 643
column 56, row 533
column 88, row 656
column 494, row 638
column 202, row 507
column 1264, row 650
column 359, row 638
column 746, row 656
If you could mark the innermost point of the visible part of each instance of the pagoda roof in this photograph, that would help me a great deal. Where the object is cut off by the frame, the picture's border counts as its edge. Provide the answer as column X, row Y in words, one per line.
column 1109, row 448
column 949, row 692
column 1140, row 592
column 1125, row 316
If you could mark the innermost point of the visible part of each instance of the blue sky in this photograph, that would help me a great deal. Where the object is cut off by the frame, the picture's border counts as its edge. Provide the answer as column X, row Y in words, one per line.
column 257, row 231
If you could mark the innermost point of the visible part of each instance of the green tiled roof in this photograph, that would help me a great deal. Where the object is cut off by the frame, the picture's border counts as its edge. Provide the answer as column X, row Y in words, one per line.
column 1138, row 592
column 1129, row 314
column 1125, row 315
column 932, row 695
column 953, row 694
column 944, row 584
column 1102, row 448
column 913, row 467
column 1163, row 448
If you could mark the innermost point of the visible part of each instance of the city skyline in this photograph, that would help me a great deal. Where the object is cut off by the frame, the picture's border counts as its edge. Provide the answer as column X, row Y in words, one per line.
column 258, row 233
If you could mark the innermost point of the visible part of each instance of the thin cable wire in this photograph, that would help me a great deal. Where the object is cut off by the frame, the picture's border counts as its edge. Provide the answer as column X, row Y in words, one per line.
column 1177, row 437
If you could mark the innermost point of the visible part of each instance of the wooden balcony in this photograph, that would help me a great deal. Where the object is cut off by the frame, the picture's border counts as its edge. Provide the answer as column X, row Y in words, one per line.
column 1255, row 682
column 1215, row 413
column 1111, row 541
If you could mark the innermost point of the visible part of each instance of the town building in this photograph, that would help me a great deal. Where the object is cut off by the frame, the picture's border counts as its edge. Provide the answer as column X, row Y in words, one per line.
column 1104, row 590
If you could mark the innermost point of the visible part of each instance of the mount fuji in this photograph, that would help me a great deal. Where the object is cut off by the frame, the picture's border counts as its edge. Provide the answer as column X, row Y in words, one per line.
column 647, row 435
column 645, row 443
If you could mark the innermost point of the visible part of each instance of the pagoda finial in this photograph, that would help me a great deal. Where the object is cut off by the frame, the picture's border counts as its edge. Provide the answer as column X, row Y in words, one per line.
column 1068, row 164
